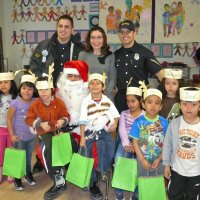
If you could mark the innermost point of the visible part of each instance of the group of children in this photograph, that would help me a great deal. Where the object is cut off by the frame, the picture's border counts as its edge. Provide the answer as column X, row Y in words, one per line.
column 143, row 131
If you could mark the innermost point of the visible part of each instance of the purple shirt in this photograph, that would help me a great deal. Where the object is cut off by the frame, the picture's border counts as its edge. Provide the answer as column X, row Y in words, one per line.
column 19, row 126
column 125, row 123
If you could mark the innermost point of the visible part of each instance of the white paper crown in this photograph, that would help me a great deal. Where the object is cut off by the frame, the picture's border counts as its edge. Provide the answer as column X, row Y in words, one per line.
column 190, row 93
column 6, row 76
column 173, row 73
column 43, row 85
column 134, row 91
column 28, row 78
column 99, row 77
column 152, row 91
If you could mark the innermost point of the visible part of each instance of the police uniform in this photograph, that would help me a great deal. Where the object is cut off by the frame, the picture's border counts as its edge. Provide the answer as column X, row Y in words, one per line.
column 132, row 65
column 49, row 51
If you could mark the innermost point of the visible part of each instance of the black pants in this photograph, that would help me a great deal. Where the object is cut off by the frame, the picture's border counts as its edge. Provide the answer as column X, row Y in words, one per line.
column 46, row 149
column 183, row 188
column 120, row 101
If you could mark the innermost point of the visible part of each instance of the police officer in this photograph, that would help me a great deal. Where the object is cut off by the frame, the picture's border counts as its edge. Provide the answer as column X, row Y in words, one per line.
column 133, row 63
column 61, row 47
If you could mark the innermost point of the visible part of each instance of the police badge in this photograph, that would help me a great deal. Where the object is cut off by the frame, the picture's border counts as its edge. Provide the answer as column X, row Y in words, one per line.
column 45, row 54
column 136, row 56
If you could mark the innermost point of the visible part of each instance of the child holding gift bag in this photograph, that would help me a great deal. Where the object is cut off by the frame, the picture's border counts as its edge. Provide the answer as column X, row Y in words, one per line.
column 20, row 133
column 98, row 118
column 127, row 117
column 148, row 133
column 181, row 151
column 45, row 115
column 8, row 91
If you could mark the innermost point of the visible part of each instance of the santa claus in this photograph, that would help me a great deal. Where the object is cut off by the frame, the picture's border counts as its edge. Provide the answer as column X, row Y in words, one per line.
column 72, row 88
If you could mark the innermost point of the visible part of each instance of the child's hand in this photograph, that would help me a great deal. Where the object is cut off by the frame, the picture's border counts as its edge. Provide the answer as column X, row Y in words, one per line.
column 146, row 165
column 129, row 148
column 14, row 138
column 83, row 141
column 112, row 128
column 167, row 171
column 60, row 123
column 156, row 163
column 45, row 126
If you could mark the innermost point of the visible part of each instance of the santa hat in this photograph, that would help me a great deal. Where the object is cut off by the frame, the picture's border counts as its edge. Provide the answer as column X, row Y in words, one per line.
column 173, row 73
column 134, row 91
column 152, row 91
column 6, row 76
column 77, row 67
column 190, row 93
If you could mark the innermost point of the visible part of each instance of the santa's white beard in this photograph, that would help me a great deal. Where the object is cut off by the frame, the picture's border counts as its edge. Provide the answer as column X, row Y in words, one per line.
column 72, row 93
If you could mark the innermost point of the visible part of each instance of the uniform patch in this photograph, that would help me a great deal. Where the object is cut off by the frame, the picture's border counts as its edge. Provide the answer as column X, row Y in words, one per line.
column 37, row 55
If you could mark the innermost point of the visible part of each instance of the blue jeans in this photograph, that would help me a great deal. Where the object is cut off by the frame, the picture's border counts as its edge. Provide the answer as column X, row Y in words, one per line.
column 28, row 146
column 122, row 153
column 105, row 151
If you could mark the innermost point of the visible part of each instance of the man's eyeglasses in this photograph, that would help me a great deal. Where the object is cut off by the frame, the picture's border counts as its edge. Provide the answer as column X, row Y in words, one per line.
column 96, row 37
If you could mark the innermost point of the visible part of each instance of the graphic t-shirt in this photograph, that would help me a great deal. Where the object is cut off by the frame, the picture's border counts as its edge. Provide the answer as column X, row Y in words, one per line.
column 150, row 135
column 187, row 159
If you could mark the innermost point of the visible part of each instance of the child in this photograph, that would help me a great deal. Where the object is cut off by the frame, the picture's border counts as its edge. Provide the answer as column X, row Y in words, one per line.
column 45, row 115
column 181, row 151
column 172, row 82
column 148, row 133
column 98, row 118
column 20, row 133
column 8, row 91
column 127, row 117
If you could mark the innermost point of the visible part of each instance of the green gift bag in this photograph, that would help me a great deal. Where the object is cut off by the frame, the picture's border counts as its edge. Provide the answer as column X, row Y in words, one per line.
column 14, row 164
column 61, row 149
column 125, row 174
column 151, row 188
column 80, row 170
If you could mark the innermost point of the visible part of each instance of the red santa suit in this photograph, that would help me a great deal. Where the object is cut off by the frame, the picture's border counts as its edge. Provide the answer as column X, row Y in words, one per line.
column 73, row 92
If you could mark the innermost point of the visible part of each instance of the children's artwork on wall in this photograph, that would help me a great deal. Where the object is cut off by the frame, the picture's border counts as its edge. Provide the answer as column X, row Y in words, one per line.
column 167, row 50
column 156, row 49
column 140, row 12
column 41, row 35
column 30, row 37
column 50, row 33
column 94, row 7
column 177, row 21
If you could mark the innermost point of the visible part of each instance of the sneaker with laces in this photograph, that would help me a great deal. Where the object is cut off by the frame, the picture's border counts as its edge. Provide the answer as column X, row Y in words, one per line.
column 54, row 191
column 119, row 196
column 29, row 178
column 18, row 184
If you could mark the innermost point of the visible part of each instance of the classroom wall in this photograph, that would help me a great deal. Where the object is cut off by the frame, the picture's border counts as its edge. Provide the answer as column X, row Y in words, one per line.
column 19, row 55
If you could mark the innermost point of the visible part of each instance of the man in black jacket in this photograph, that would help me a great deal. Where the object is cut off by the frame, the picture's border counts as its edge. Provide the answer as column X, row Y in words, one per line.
column 61, row 47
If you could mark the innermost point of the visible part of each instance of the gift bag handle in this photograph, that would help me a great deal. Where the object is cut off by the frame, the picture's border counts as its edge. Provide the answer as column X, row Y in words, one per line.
column 83, row 151
column 156, row 172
